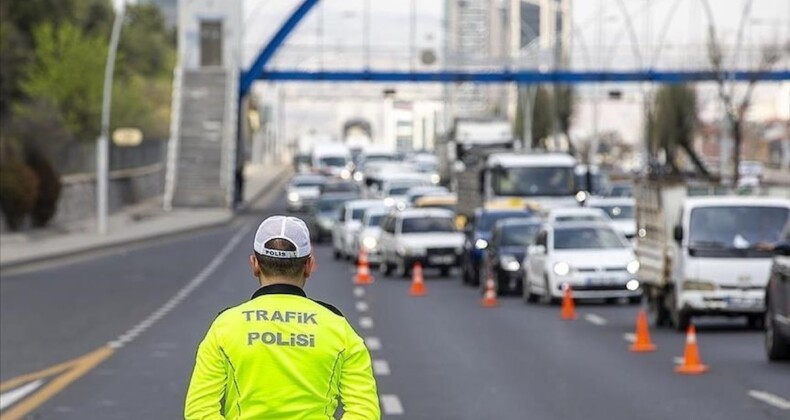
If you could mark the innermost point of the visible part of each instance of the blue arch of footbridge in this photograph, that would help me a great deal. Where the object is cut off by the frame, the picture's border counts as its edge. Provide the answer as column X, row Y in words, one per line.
column 258, row 70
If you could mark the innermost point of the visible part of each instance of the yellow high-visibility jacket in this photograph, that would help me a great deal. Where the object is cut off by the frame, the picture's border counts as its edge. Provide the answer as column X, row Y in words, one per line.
column 281, row 355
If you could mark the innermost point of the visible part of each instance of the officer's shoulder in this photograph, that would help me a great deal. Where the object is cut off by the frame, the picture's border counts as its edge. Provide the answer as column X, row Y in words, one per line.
column 331, row 308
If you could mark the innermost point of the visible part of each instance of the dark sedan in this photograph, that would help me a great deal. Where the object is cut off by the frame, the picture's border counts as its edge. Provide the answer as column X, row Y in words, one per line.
column 777, row 303
column 506, row 251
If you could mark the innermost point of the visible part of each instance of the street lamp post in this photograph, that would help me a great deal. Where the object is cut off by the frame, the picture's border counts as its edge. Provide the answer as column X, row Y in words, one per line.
column 103, row 142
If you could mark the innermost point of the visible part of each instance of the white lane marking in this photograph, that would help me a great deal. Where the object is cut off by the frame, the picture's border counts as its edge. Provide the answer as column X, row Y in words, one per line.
column 391, row 404
column 359, row 291
column 10, row 397
column 770, row 399
column 595, row 320
column 373, row 343
column 678, row 360
column 182, row 294
column 362, row 306
column 366, row 322
column 381, row 367
column 629, row 337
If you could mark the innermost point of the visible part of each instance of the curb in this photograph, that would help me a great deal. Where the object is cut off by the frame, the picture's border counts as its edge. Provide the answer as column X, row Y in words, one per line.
column 275, row 182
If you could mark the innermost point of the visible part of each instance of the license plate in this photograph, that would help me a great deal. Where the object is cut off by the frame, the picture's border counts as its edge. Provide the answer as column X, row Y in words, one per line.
column 736, row 302
column 600, row 281
column 441, row 259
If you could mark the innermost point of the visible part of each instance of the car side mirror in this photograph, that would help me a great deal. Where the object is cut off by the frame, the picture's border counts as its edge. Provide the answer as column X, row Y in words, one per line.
column 677, row 233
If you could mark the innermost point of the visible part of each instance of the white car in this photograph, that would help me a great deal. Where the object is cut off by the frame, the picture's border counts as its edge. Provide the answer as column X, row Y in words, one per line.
column 369, row 234
column 593, row 258
column 395, row 188
column 620, row 210
column 427, row 236
column 303, row 191
column 349, row 222
column 576, row 214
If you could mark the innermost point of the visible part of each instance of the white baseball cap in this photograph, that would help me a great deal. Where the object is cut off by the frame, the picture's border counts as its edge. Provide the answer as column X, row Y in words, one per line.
column 288, row 228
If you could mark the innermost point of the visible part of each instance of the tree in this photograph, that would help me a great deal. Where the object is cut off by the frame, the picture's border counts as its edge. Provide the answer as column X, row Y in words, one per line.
column 735, row 109
column 566, row 105
column 68, row 72
column 541, row 116
column 672, row 123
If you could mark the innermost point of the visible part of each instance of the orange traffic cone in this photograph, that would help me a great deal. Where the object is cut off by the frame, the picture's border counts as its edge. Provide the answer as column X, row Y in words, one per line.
column 642, row 343
column 363, row 269
column 692, row 365
column 568, row 308
column 489, row 297
column 417, row 283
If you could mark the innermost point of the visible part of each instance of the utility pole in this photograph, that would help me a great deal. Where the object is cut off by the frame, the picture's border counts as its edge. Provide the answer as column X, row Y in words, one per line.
column 103, row 142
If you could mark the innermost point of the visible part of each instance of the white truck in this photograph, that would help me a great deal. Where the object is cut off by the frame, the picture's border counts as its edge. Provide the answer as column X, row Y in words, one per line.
column 470, row 135
column 705, row 255
column 535, row 180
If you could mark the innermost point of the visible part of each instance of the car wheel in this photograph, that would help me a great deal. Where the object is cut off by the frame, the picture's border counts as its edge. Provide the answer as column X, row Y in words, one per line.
column 681, row 319
column 402, row 270
column 755, row 322
column 547, row 297
column 657, row 311
column 777, row 346
column 474, row 278
column 444, row 271
column 465, row 276
column 335, row 254
column 529, row 295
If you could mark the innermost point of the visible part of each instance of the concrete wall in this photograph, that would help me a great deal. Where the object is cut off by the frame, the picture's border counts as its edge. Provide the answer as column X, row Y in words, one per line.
column 127, row 187
column 192, row 12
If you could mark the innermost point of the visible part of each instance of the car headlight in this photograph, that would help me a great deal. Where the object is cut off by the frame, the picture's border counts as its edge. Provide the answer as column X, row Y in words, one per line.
column 509, row 263
column 325, row 223
column 632, row 284
column 435, row 178
column 293, row 196
column 481, row 244
column 358, row 176
column 562, row 269
column 345, row 174
column 369, row 242
column 632, row 267
column 699, row 285
column 389, row 201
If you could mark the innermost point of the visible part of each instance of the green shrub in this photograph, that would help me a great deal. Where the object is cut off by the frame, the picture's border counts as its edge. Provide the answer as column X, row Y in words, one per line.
column 49, row 186
column 18, row 190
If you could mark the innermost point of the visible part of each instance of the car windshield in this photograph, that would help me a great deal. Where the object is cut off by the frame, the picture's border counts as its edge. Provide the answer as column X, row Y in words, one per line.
column 340, row 187
column 301, row 159
column 332, row 161
column 306, row 183
column 379, row 158
column 727, row 229
column 427, row 224
column 375, row 220
column 624, row 212
column 398, row 190
column 621, row 191
column 518, row 235
column 599, row 183
column 587, row 238
column 357, row 214
column 328, row 205
column 486, row 221
column 579, row 218
column 535, row 181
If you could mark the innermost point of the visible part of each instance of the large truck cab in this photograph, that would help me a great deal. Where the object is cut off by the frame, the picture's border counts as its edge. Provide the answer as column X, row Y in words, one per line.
column 542, row 179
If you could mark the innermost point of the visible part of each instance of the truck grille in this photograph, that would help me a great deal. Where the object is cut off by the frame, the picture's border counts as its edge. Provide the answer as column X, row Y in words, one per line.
column 440, row 251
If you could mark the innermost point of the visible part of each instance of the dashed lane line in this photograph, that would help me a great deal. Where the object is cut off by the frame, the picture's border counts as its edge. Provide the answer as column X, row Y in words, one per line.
column 770, row 399
column 366, row 322
column 182, row 294
column 391, row 405
column 595, row 319
column 678, row 360
column 629, row 337
column 361, row 306
column 381, row 367
column 359, row 291
column 373, row 343
column 24, row 393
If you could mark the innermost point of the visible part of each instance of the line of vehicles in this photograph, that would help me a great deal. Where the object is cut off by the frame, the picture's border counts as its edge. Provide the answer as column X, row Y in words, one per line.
column 520, row 218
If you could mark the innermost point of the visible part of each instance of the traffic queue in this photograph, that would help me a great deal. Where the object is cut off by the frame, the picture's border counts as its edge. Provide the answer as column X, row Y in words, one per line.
column 686, row 251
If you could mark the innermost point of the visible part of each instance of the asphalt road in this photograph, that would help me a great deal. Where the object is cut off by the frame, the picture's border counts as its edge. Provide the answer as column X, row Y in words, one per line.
column 441, row 356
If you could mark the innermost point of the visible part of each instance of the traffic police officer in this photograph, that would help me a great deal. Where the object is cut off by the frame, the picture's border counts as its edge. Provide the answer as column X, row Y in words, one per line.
column 281, row 355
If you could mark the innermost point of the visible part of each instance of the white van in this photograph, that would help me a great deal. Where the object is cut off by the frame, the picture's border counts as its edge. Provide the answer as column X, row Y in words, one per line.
column 332, row 159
